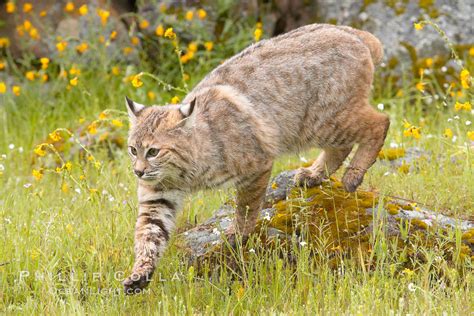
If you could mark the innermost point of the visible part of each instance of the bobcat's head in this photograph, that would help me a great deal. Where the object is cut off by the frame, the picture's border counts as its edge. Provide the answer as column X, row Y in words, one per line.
column 160, row 142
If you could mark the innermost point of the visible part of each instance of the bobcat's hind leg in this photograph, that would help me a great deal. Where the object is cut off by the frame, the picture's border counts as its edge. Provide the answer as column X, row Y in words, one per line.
column 326, row 164
column 371, row 132
column 250, row 197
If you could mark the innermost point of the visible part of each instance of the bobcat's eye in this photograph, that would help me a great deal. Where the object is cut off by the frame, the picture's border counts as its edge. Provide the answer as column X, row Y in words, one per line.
column 132, row 150
column 152, row 152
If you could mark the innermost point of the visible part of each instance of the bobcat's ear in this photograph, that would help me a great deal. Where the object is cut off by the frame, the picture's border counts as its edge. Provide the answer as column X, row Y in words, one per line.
column 133, row 108
column 187, row 109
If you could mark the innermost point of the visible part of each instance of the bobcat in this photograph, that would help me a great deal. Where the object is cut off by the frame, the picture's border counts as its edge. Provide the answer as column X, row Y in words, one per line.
column 309, row 87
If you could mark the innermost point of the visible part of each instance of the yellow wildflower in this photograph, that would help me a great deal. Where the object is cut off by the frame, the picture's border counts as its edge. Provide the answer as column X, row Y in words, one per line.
column 44, row 77
column 418, row 26
column 16, row 90
column 189, row 15
column 151, row 95
column 73, row 81
column 160, row 30
column 144, row 24
column 448, row 133
column 136, row 81
column 102, row 116
column 30, row 75
column 82, row 48
column 408, row 272
column 113, row 35
column 471, row 51
column 4, row 42
column 82, row 177
column 34, row 254
column 116, row 70
column 74, row 71
column 466, row 106
column 170, row 34
column 10, row 7
column 429, row 62
column 27, row 7
column 127, row 50
column 412, row 131
column 186, row 76
column 43, row 13
column 83, row 9
column 240, row 293
column 470, row 135
column 202, row 14
column 92, row 128
column 65, row 188
column 135, row 41
column 104, row 16
column 69, row 7
column 209, row 46
column 97, row 164
column 61, row 46
column 27, row 25
column 257, row 34
column 274, row 186
column 44, row 62
column 117, row 123
column 420, row 86
column 465, row 78
column 40, row 151
column 175, row 100
column 2, row 64
column 3, row 87
column 192, row 47
column 37, row 174
column 55, row 136
column 68, row 166
column 34, row 34
column 69, row 229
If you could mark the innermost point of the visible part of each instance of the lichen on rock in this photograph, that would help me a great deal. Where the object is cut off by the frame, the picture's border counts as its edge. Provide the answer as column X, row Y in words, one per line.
column 334, row 221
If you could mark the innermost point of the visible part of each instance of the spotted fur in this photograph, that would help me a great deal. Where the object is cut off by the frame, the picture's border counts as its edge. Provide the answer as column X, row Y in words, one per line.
column 307, row 88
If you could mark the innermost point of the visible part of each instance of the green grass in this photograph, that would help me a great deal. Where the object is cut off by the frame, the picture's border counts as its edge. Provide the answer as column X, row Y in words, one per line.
column 48, row 233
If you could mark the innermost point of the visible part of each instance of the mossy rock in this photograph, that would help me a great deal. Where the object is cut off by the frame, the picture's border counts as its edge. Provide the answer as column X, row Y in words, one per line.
column 332, row 220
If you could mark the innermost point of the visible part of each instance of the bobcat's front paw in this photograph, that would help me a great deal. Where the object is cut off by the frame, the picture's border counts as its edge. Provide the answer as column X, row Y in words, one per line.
column 136, row 282
column 307, row 177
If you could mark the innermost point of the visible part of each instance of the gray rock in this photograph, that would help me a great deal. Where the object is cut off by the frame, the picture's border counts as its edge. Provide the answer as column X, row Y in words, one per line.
column 202, row 239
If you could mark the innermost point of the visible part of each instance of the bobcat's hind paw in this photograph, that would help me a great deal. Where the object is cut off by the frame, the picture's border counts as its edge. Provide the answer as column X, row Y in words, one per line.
column 306, row 177
column 352, row 179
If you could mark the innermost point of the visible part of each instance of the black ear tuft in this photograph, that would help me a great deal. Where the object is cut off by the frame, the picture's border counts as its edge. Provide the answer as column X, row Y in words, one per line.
column 187, row 109
column 129, row 103
column 133, row 108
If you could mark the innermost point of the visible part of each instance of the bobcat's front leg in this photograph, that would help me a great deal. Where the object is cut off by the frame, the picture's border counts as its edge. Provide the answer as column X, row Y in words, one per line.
column 250, row 196
column 155, row 222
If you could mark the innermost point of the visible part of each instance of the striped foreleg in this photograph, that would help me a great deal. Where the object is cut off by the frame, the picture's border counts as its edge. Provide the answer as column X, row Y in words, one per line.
column 155, row 222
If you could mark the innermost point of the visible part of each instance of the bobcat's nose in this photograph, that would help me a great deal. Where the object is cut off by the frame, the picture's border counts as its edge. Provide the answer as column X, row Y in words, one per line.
column 139, row 173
